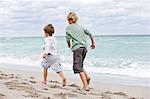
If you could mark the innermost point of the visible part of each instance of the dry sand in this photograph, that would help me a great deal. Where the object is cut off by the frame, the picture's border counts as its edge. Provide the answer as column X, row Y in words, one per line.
column 28, row 85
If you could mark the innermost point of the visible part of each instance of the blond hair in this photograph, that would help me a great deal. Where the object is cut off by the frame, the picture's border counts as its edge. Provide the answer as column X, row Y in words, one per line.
column 72, row 16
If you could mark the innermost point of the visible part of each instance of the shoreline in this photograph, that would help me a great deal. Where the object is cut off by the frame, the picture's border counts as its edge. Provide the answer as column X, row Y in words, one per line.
column 106, row 78
column 102, row 86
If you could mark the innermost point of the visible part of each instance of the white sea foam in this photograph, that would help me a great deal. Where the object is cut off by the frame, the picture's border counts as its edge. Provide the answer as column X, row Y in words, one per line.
column 136, row 42
column 121, row 55
column 8, row 38
column 105, row 66
column 109, row 39
column 20, row 60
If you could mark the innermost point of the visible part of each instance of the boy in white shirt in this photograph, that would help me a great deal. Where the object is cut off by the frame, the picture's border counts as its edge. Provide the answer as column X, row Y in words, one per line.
column 51, row 57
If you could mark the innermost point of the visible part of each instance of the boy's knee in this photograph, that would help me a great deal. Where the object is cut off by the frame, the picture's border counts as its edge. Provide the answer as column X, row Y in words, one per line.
column 45, row 68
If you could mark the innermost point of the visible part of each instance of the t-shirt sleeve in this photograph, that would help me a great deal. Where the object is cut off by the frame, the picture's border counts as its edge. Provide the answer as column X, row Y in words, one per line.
column 87, row 32
column 68, row 36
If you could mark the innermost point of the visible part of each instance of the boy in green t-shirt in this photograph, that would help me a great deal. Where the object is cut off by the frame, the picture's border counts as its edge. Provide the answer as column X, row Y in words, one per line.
column 77, row 34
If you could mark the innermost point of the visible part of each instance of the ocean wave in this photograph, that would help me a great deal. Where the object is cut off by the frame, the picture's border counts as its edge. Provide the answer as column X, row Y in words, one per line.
column 119, row 67
column 110, row 39
column 22, row 60
column 135, row 42
column 105, row 66
column 8, row 38
column 133, row 72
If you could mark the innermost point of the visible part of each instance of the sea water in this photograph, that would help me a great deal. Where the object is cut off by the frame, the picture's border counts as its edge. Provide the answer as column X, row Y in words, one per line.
column 114, row 55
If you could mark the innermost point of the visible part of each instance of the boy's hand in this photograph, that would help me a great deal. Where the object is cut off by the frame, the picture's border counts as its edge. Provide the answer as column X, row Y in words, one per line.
column 92, row 46
column 92, row 41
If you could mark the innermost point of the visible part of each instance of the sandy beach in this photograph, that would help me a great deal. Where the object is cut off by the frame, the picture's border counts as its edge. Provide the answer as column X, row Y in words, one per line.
column 106, row 41
column 19, row 84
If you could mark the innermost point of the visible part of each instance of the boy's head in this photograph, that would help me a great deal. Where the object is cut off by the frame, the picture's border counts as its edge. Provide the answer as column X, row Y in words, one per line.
column 72, row 18
column 49, row 29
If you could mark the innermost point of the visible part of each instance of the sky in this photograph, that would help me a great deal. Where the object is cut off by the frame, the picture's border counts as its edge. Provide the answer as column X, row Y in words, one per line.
column 26, row 18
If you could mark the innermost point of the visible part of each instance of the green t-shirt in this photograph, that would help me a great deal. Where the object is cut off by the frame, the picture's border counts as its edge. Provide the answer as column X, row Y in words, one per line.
column 77, row 34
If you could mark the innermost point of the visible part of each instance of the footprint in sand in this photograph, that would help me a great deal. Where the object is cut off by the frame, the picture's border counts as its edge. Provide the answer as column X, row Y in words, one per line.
column 56, row 82
column 2, row 96
column 80, row 92
column 54, row 86
column 121, row 94
column 31, row 94
column 65, row 95
column 105, row 96
column 116, row 93
column 74, row 85
column 27, row 89
column 45, row 88
column 32, row 77
column 78, row 89
column 34, row 94
column 16, row 85
column 34, row 82
column 3, row 76
column 7, row 76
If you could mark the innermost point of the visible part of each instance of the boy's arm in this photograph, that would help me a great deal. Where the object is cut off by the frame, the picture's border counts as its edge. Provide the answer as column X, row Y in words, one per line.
column 46, row 48
column 92, row 41
column 68, row 37
column 91, row 37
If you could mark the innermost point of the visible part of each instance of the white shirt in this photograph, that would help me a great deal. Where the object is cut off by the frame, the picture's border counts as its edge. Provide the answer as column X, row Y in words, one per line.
column 50, row 45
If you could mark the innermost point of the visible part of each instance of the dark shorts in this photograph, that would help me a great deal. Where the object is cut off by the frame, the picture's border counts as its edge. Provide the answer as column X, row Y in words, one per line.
column 78, row 59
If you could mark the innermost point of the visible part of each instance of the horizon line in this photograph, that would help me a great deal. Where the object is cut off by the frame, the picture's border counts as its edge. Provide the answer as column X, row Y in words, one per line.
column 64, row 36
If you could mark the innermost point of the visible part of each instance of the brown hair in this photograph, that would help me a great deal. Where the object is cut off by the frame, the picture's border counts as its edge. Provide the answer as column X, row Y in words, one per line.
column 49, row 29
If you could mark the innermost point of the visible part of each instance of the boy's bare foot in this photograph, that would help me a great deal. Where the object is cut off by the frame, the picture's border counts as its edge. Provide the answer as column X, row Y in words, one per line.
column 86, row 89
column 44, row 82
column 88, row 80
column 64, row 82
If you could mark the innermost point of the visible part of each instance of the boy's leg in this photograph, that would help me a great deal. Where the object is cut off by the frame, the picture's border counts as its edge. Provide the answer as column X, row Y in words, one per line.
column 61, row 74
column 87, row 77
column 78, row 58
column 83, row 57
column 45, row 75
column 57, row 68
column 84, row 80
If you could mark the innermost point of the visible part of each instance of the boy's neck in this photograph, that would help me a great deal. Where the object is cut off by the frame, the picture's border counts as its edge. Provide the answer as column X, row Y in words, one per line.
column 48, row 36
column 72, row 23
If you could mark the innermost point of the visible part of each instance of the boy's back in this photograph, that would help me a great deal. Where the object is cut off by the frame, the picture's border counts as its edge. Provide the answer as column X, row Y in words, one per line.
column 78, row 35
column 51, row 45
